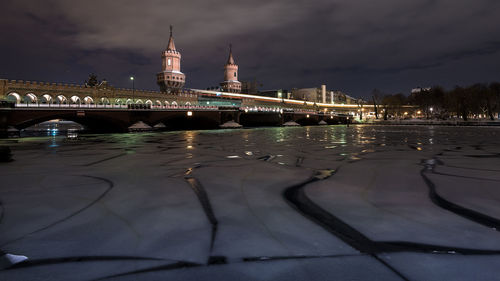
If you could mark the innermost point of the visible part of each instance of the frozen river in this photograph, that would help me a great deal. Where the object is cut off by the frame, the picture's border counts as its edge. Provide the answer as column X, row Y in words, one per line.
column 307, row 203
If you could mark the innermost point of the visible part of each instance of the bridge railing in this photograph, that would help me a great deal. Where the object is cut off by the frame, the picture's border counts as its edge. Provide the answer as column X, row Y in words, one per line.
column 116, row 106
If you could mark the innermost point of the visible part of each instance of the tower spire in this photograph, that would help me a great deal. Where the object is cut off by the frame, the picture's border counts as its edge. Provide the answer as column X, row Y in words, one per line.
column 171, row 45
column 230, row 59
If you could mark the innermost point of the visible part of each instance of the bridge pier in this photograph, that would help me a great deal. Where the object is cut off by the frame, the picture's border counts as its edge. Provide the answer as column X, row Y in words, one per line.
column 229, row 115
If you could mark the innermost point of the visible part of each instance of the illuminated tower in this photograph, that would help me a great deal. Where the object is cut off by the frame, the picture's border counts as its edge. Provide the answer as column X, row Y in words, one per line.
column 231, row 83
column 171, row 79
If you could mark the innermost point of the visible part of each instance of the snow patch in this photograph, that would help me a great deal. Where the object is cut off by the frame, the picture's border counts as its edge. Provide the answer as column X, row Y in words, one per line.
column 230, row 124
column 291, row 123
column 9, row 260
column 139, row 126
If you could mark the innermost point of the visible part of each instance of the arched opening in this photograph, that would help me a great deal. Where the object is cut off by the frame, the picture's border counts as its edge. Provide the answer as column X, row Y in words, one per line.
column 129, row 101
column 60, row 99
column 14, row 97
column 158, row 103
column 46, row 99
column 92, row 121
column 75, row 100
column 118, row 102
column 30, row 98
column 53, row 127
column 166, row 103
column 105, row 101
column 174, row 103
column 149, row 102
column 139, row 101
column 88, row 100
column 188, row 104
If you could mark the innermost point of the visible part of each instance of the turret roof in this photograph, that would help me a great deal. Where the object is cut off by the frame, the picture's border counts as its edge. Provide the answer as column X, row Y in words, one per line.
column 230, row 59
column 171, row 44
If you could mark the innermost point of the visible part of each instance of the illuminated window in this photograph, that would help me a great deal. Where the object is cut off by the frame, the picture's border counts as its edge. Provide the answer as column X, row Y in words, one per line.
column 169, row 61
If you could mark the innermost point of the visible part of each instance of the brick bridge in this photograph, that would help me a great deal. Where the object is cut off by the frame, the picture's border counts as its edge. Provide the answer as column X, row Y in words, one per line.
column 107, row 109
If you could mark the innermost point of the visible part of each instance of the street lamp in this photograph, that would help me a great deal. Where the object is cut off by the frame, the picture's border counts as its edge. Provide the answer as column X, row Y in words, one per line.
column 133, row 88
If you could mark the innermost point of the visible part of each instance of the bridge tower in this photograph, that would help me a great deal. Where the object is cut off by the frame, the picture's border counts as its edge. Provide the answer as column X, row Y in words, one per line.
column 171, row 79
column 231, row 83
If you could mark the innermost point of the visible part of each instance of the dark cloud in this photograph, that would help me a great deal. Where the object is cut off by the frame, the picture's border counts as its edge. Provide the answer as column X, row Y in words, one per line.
column 353, row 46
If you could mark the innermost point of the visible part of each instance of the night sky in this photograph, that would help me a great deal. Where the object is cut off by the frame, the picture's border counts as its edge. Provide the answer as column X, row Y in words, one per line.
column 353, row 46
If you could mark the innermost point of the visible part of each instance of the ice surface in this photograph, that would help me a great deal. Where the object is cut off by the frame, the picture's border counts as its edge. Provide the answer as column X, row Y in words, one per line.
column 431, row 267
column 339, row 268
column 124, row 205
column 396, row 207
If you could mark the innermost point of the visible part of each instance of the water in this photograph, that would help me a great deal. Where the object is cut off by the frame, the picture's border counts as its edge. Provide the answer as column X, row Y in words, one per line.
column 268, row 203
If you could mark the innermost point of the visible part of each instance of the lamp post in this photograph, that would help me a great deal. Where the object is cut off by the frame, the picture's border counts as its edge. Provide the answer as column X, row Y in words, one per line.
column 133, row 89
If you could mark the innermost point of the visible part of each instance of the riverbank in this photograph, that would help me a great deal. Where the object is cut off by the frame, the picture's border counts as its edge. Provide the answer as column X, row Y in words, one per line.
column 433, row 122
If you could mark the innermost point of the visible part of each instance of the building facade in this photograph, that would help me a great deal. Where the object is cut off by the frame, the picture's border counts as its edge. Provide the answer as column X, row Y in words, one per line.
column 322, row 95
column 171, row 79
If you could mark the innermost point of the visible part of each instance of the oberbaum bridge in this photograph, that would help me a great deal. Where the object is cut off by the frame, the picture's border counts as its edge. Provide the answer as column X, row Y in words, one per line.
column 103, row 108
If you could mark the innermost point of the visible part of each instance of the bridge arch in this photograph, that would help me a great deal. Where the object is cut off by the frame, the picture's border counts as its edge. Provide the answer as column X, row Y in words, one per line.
column 139, row 101
column 100, row 121
column 188, row 104
column 174, row 103
column 14, row 97
column 88, row 100
column 166, row 103
column 105, row 101
column 118, row 102
column 60, row 99
column 129, row 101
column 158, row 103
column 75, row 100
column 46, row 99
column 30, row 98
column 149, row 102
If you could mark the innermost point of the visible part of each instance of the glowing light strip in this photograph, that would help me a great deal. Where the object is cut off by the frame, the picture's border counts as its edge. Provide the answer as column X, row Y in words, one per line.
column 219, row 94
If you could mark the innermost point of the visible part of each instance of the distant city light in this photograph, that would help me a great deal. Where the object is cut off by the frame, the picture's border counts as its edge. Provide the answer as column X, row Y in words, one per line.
column 132, row 78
